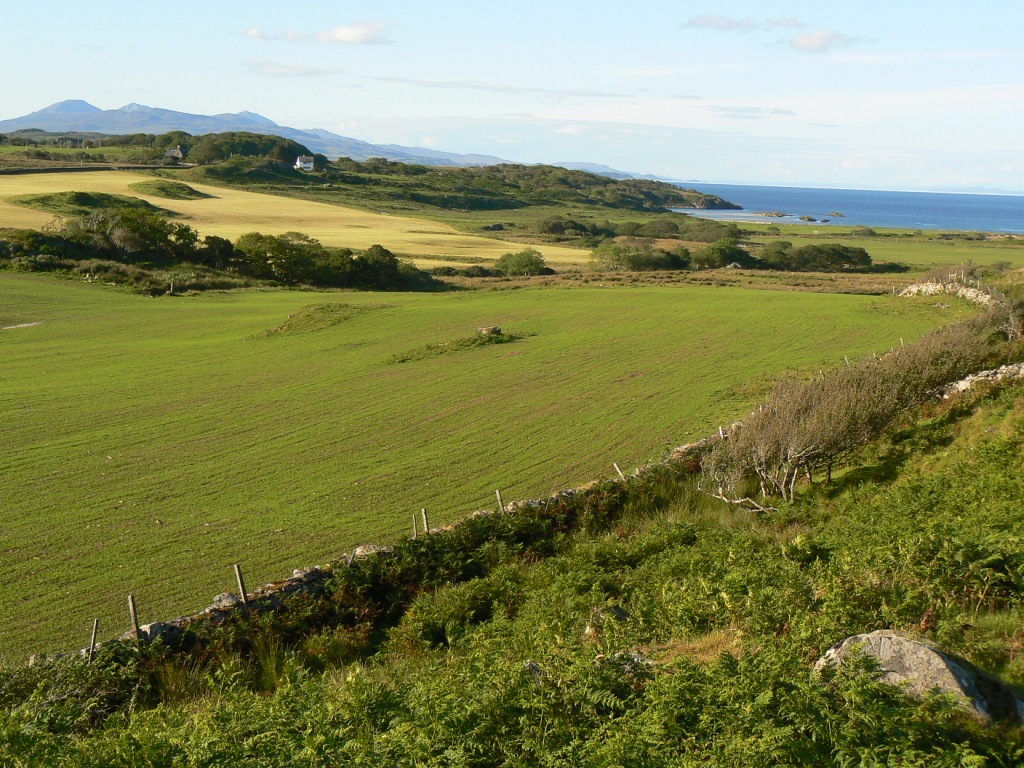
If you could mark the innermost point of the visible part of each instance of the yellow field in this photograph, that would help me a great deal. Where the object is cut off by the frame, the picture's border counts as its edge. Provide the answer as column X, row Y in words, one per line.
column 230, row 213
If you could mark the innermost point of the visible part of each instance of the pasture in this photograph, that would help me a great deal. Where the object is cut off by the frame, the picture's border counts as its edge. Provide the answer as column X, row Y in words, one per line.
column 230, row 213
column 148, row 444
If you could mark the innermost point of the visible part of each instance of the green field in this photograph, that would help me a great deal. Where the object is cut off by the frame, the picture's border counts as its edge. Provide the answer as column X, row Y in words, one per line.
column 147, row 444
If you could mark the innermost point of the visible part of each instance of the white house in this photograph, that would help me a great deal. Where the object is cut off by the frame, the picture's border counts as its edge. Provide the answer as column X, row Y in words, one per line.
column 304, row 163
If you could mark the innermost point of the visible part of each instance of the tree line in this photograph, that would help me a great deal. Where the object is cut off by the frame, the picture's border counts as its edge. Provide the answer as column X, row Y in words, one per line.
column 641, row 254
column 151, row 240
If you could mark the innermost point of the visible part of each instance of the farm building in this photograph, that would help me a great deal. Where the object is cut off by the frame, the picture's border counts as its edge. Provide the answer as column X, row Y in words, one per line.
column 304, row 163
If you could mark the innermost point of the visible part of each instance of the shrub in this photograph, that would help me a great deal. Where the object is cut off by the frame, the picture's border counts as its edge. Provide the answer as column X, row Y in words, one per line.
column 527, row 262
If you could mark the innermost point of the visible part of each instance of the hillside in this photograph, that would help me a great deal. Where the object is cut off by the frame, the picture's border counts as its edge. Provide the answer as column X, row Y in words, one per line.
column 492, row 188
column 647, row 625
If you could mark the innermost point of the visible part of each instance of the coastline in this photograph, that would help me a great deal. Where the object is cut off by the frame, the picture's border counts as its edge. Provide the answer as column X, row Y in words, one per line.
column 932, row 211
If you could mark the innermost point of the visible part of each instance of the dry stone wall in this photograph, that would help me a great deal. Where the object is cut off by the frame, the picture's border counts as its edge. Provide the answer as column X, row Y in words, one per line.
column 975, row 295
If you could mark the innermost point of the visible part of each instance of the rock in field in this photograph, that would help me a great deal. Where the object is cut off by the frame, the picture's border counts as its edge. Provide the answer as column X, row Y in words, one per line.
column 920, row 667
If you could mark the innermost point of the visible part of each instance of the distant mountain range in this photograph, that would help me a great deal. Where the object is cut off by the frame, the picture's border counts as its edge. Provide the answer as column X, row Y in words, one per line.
column 77, row 116
column 80, row 116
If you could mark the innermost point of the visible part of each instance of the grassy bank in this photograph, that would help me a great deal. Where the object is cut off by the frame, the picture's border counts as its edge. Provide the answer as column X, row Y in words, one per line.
column 679, row 633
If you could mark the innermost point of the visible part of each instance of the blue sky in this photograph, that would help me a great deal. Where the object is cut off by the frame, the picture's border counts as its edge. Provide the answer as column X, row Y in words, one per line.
column 868, row 94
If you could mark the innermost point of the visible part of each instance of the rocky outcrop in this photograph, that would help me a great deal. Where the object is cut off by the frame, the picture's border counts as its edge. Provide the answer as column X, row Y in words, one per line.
column 920, row 668
column 994, row 376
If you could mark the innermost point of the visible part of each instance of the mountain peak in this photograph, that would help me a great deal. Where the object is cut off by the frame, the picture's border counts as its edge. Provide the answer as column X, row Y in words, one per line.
column 256, row 118
column 77, row 115
column 69, row 107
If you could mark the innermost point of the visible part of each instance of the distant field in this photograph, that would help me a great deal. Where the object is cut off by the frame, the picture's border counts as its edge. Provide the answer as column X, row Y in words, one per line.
column 147, row 444
column 231, row 212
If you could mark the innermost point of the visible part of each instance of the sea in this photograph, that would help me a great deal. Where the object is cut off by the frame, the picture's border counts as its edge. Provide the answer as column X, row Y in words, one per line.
column 945, row 211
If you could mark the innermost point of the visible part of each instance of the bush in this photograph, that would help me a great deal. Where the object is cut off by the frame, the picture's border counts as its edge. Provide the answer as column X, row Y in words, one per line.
column 723, row 253
column 617, row 257
column 809, row 425
column 528, row 262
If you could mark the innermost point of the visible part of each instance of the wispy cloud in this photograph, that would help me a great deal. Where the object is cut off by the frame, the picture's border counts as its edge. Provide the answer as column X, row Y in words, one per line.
column 822, row 40
column 370, row 33
column 477, row 85
column 732, row 24
column 904, row 57
column 817, row 41
column 373, row 33
column 750, row 113
column 571, row 130
column 279, row 69
column 291, row 35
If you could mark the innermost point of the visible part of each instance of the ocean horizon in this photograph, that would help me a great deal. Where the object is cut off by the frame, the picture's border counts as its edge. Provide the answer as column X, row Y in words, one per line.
column 942, row 211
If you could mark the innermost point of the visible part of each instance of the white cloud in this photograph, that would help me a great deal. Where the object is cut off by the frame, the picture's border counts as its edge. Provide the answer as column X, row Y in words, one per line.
column 731, row 24
column 372, row 33
column 571, row 130
column 750, row 113
column 823, row 40
column 291, row 35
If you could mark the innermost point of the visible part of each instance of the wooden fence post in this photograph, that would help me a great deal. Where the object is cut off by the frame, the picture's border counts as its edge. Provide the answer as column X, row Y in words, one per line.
column 415, row 533
column 621, row 476
column 241, row 587
column 92, row 642
column 501, row 504
column 135, row 618
column 426, row 521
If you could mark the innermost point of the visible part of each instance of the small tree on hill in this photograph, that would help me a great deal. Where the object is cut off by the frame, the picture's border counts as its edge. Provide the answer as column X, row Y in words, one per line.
column 528, row 262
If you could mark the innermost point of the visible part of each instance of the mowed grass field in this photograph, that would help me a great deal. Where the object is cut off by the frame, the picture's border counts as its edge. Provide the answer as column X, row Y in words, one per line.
column 147, row 444
column 231, row 212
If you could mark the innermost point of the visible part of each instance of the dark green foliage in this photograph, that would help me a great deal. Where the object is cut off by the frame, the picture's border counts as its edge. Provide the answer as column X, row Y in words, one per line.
column 290, row 258
column 678, row 227
column 723, row 253
column 707, row 230
column 526, row 262
column 143, row 240
column 295, row 258
column 249, row 172
column 217, row 147
column 640, row 257
column 131, row 235
column 827, row 257
column 499, row 187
